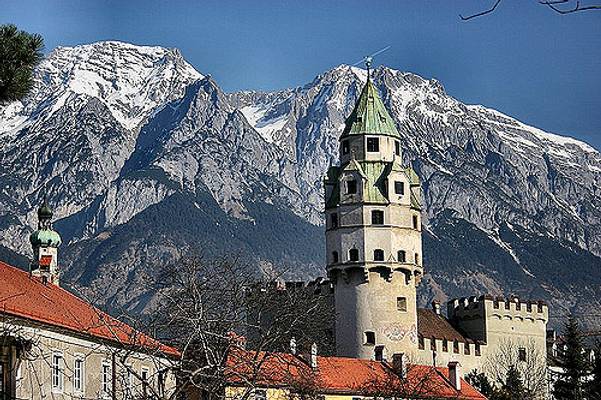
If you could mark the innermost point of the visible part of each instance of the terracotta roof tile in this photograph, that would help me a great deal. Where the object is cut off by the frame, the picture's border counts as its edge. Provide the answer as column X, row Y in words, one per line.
column 431, row 325
column 343, row 376
column 24, row 296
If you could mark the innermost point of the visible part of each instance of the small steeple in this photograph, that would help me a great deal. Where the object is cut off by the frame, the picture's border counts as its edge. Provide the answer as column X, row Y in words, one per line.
column 45, row 215
column 369, row 117
column 45, row 242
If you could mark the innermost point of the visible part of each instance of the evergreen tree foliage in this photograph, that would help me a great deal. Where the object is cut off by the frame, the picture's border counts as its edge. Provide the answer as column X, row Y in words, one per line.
column 513, row 388
column 20, row 52
column 570, row 384
column 481, row 383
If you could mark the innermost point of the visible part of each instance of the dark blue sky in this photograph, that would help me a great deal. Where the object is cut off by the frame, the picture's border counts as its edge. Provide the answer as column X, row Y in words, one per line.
column 524, row 60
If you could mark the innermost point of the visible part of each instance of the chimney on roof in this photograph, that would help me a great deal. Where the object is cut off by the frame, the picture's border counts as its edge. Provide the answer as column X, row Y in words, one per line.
column 293, row 345
column 436, row 307
column 455, row 374
column 313, row 360
column 399, row 365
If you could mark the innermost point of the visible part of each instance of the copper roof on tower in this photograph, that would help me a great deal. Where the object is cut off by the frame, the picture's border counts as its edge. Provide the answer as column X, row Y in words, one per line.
column 370, row 115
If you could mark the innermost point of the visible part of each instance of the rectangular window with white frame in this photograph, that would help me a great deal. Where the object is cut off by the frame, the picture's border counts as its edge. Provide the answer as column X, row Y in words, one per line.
column 79, row 373
column 58, row 371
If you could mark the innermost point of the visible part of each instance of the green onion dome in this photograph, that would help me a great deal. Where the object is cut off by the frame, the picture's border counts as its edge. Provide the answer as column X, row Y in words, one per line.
column 45, row 237
column 44, row 212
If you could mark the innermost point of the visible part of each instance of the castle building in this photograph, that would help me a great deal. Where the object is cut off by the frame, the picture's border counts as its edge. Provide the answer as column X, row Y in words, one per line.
column 374, row 263
column 373, row 235
column 56, row 345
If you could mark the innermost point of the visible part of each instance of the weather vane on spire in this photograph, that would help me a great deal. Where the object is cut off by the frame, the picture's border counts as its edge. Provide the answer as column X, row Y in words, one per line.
column 369, row 59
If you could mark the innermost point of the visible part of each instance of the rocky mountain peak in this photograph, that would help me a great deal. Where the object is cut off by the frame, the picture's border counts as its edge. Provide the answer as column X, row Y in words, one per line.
column 144, row 159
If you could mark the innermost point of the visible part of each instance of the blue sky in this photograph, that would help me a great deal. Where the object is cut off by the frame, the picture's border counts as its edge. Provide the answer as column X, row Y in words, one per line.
column 524, row 60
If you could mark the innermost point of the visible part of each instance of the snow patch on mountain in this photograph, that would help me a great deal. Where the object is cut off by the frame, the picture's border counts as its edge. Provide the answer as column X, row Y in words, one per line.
column 131, row 80
column 266, row 126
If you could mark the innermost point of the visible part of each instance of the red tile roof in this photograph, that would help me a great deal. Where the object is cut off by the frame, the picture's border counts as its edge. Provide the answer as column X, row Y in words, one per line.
column 431, row 325
column 340, row 375
column 24, row 296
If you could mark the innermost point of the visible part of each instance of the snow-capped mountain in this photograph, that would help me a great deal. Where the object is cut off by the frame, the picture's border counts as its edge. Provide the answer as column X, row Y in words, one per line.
column 145, row 159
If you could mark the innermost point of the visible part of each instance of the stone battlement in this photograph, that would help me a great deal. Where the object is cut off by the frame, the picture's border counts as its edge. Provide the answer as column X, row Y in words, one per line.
column 481, row 317
column 487, row 305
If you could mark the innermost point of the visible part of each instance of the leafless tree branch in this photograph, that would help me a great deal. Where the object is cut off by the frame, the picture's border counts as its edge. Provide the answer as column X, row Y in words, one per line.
column 490, row 10
column 555, row 5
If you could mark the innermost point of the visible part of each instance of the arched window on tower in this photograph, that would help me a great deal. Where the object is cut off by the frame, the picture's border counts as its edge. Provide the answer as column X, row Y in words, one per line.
column 353, row 255
column 378, row 255
column 334, row 256
column 401, row 256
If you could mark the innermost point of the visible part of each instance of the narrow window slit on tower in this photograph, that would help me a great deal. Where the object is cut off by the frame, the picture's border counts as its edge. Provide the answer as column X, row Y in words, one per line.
column 334, row 256
column 397, row 148
column 345, row 147
column 378, row 255
column 353, row 255
column 379, row 353
column 415, row 222
column 334, row 220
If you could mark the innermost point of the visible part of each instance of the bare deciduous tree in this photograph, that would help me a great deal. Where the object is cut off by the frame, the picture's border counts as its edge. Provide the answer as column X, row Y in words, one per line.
column 523, row 357
column 559, row 6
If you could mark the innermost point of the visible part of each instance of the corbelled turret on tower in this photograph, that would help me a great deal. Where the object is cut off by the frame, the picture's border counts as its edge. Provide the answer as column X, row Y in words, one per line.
column 45, row 242
column 373, row 235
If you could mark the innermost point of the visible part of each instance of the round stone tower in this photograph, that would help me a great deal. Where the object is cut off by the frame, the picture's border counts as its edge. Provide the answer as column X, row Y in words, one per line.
column 373, row 236
column 45, row 242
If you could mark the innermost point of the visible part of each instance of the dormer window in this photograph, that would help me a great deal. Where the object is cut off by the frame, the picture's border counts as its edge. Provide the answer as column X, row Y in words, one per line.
column 399, row 188
column 382, row 118
column 373, row 145
column 351, row 187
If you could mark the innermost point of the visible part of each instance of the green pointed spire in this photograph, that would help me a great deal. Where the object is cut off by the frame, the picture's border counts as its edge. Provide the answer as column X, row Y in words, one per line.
column 370, row 116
